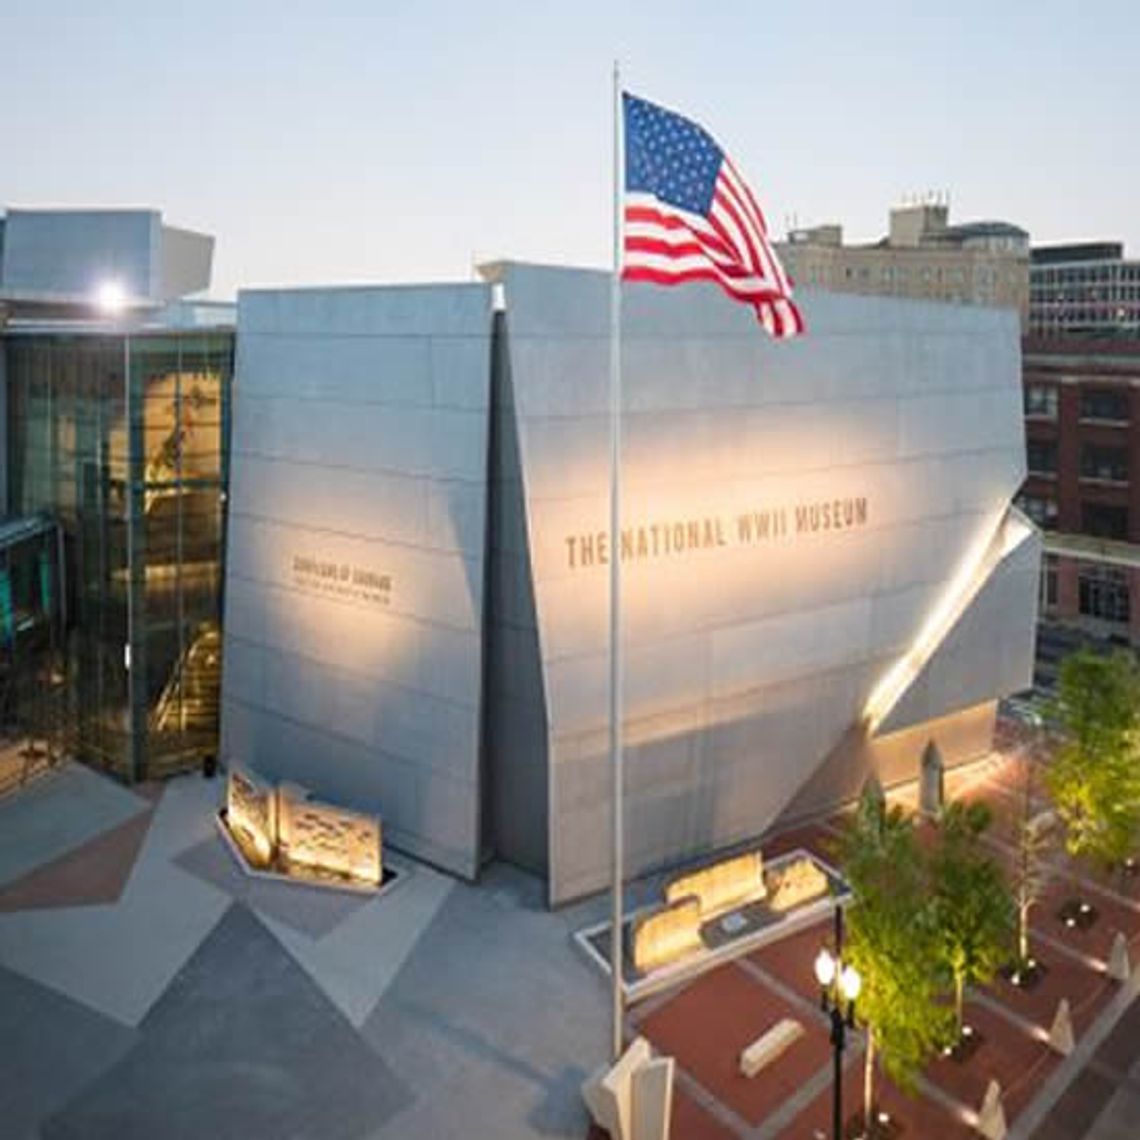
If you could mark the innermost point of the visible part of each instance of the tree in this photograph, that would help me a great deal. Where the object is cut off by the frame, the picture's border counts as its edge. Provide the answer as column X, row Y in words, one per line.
column 1094, row 780
column 973, row 912
column 890, row 941
column 1030, row 869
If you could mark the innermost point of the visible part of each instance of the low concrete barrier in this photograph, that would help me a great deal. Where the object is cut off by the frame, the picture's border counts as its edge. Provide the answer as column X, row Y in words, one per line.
column 766, row 1048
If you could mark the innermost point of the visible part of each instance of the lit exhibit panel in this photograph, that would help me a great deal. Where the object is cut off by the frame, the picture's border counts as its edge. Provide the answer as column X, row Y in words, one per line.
column 807, row 530
column 355, row 551
column 121, row 437
column 284, row 830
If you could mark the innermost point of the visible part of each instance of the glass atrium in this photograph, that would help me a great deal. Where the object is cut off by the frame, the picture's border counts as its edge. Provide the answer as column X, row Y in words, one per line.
column 123, row 439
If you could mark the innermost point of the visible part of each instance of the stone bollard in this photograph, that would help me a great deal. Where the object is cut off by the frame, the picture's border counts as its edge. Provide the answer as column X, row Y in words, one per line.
column 931, row 793
column 1061, row 1035
column 991, row 1118
column 1119, row 967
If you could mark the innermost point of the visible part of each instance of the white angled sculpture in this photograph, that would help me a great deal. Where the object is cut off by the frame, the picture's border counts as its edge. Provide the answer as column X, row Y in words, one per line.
column 633, row 1098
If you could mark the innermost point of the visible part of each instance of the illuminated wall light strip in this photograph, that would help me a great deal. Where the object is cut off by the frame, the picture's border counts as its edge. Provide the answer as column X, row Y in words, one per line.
column 967, row 582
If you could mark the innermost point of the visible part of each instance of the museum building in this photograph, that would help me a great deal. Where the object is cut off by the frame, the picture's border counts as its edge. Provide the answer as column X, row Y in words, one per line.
column 357, row 538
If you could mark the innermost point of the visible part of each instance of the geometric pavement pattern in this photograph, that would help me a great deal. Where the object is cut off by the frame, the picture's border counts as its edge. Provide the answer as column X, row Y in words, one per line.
column 487, row 1028
column 242, row 1044
column 93, row 874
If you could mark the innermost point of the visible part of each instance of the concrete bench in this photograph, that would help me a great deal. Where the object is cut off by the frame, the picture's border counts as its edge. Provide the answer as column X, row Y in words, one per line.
column 766, row 1048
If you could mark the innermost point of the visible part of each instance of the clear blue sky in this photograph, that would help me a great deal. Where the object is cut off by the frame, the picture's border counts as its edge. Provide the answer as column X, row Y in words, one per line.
column 387, row 140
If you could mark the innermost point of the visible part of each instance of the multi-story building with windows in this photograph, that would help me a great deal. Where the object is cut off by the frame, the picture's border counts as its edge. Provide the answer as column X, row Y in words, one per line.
column 1087, row 289
column 977, row 263
column 1082, row 424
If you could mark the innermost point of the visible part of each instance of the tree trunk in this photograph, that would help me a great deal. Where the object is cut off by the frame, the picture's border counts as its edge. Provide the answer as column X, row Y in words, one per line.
column 959, row 997
column 869, row 1082
column 1023, row 934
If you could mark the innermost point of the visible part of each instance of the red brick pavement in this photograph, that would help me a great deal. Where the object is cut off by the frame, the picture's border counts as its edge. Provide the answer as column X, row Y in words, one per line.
column 1008, row 1053
column 792, row 959
column 920, row 1117
column 1112, row 916
column 1087, row 991
column 691, row 1122
column 709, row 1022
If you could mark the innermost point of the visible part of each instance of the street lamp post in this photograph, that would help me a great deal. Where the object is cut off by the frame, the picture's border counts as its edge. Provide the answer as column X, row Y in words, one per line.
column 839, row 986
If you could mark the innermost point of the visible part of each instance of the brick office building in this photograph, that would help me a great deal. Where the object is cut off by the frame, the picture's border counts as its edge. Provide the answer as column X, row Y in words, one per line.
column 1082, row 427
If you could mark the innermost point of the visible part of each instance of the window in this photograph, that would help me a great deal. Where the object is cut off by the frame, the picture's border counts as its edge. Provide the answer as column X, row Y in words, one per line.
column 1103, row 592
column 1041, row 400
column 1107, row 463
column 1104, row 404
column 1041, row 509
column 1102, row 521
column 1048, row 581
column 1041, row 456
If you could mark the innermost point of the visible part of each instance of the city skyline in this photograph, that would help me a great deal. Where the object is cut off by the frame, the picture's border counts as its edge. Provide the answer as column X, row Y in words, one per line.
column 357, row 146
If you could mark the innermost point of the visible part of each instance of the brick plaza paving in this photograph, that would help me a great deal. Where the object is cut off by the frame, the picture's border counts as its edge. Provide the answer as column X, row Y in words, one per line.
column 1095, row 1093
column 150, row 990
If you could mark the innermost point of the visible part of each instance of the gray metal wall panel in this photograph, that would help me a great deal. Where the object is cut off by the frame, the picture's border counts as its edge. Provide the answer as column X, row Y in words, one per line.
column 360, row 448
column 74, row 251
column 747, row 661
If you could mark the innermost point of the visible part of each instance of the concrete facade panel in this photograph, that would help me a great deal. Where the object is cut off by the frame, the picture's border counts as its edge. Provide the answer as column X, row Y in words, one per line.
column 793, row 512
column 355, row 577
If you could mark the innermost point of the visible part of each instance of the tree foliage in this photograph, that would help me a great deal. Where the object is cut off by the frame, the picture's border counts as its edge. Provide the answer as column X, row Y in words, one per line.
column 973, row 912
column 891, row 940
column 1094, row 780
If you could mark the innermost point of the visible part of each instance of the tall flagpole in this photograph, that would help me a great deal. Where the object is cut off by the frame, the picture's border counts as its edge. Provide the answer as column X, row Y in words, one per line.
column 615, row 586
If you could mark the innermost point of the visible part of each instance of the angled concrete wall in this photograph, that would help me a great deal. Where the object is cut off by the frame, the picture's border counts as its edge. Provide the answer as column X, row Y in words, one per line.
column 516, row 723
column 794, row 512
column 355, row 573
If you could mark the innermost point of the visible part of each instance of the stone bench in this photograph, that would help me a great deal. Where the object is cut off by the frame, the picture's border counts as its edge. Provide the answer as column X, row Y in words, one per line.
column 766, row 1048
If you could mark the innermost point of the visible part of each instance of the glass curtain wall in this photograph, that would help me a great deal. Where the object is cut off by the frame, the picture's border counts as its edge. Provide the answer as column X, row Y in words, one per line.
column 124, row 440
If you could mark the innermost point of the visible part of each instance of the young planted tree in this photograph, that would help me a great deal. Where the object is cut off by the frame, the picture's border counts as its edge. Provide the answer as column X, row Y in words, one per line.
column 891, row 942
column 1035, row 837
column 1094, row 780
column 973, row 912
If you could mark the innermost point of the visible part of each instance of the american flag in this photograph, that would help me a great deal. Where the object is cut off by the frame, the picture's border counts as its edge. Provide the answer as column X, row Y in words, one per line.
column 689, row 216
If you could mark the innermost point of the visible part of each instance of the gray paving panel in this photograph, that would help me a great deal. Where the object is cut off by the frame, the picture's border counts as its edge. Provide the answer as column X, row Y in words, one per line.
column 501, row 1010
column 52, row 1047
column 311, row 910
column 56, row 815
column 242, row 1044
